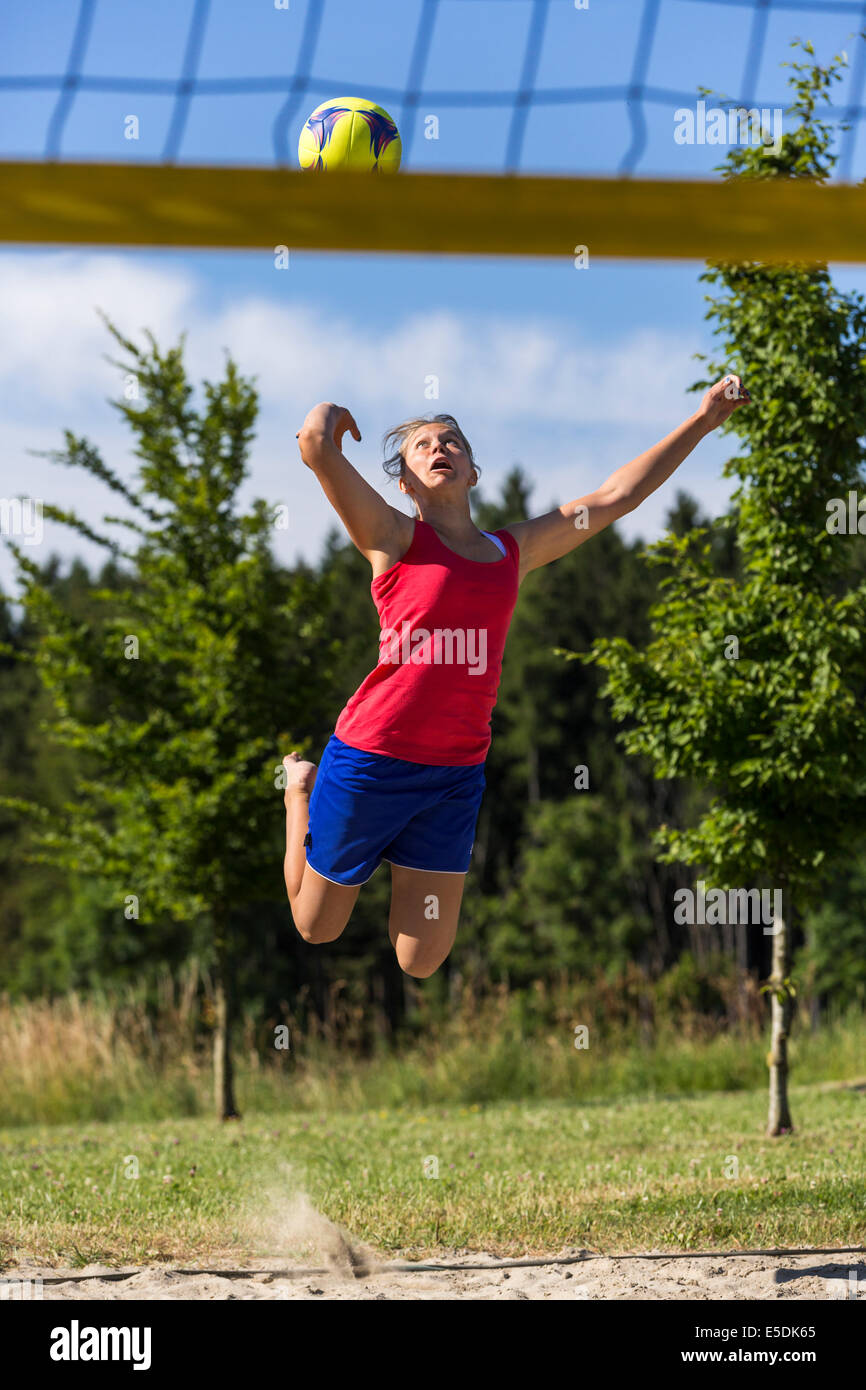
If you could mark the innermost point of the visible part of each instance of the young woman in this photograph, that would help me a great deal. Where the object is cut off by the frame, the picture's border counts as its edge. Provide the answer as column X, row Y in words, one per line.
column 402, row 777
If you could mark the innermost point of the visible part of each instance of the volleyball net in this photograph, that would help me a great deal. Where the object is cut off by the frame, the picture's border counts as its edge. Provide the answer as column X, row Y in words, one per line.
column 591, row 129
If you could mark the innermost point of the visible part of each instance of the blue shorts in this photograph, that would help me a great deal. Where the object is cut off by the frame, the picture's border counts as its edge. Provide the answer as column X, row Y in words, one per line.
column 366, row 808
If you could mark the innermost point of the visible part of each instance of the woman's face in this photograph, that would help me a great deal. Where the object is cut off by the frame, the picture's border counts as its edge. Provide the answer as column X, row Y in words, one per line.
column 435, row 460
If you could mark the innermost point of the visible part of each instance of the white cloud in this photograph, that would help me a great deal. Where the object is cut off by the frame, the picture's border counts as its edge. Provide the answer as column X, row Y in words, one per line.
column 518, row 369
column 52, row 341
column 52, row 345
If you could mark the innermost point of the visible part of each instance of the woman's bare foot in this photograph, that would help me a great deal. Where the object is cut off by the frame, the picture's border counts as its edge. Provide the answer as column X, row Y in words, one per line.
column 300, row 775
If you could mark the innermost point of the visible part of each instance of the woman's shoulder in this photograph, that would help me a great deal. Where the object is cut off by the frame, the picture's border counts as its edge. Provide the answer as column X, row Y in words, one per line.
column 400, row 541
column 507, row 536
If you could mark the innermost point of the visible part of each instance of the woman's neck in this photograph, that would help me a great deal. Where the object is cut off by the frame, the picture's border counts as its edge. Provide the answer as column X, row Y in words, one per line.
column 458, row 526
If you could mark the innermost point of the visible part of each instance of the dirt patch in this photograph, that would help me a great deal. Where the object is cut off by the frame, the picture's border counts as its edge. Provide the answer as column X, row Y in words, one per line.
column 569, row 1275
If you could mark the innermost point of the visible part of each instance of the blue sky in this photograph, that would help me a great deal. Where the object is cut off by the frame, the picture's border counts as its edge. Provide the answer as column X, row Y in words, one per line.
column 567, row 372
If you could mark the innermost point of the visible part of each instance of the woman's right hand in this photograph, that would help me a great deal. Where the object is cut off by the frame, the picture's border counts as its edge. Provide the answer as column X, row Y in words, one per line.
column 377, row 529
column 329, row 421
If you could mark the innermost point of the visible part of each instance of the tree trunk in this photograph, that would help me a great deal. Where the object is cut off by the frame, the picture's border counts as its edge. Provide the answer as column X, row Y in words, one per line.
column 223, row 1073
column 781, row 1012
column 663, row 946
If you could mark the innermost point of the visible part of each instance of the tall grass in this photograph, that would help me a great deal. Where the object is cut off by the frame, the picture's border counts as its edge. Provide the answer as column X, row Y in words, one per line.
column 101, row 1057
column 120, row 1056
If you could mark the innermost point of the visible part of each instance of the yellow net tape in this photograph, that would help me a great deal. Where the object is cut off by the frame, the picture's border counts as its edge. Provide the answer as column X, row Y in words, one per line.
column 456, row 214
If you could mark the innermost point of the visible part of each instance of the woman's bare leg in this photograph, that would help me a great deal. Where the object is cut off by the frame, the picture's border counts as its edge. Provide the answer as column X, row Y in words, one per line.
column 320, row 909
column 425, row 910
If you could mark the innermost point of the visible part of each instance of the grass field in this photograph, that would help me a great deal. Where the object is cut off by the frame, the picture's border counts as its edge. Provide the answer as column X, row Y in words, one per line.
column 684, row 1173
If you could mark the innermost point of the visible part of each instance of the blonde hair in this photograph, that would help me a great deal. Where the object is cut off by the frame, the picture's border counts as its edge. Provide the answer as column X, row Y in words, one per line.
column 394, row 441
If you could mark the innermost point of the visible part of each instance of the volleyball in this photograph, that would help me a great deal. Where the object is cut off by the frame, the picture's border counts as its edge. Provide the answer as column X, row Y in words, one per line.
column 350, row 133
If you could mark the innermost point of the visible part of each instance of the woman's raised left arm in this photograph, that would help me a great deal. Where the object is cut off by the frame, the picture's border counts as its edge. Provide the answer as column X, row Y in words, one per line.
column 546, row 538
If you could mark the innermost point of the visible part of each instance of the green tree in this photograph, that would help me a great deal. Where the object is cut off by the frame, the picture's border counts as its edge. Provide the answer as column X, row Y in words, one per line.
column 179, row 693
column 753, row 685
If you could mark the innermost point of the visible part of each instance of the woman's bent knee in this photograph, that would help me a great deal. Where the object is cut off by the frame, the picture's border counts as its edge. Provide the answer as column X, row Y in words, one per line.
column 317, row 931
column 322, row 909
column 416, row 964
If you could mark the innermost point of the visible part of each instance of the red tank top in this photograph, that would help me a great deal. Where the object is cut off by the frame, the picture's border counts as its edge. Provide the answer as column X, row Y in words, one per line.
column 444, row 620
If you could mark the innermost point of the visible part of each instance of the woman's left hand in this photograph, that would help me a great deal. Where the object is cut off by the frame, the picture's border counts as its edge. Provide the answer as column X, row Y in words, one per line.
column 722, row 400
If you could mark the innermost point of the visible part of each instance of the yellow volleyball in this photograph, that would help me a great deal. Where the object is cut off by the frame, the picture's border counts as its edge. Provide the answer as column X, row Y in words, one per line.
column 350, row 133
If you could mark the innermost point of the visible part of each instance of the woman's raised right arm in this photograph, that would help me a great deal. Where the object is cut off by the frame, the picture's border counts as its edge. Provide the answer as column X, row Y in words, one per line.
column 374, row 526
